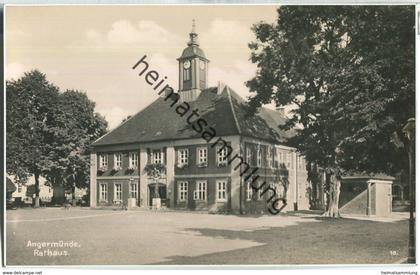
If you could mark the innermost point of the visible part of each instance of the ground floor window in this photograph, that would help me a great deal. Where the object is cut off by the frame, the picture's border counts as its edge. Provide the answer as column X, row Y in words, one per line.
column 182, row 190
column 118, row 192
column 221, row 186
column 260, row 191
column 200, row 191
column 134, row 190
column 103, row 192
column 249, row 191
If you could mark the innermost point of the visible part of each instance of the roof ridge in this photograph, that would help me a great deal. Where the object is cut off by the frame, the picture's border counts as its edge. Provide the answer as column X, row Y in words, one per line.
column 228, row 90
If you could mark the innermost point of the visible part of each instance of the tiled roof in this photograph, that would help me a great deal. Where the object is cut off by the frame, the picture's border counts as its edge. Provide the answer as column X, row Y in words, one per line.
column 225, row 112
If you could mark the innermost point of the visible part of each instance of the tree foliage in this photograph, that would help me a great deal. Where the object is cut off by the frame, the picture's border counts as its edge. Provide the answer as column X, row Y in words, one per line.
column 77, row 126
column 48, row 133
column 30, row 124
column 349, row 72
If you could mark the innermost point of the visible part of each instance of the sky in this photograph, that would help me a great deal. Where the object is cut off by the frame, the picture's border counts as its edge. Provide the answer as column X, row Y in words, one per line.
column 92, row 48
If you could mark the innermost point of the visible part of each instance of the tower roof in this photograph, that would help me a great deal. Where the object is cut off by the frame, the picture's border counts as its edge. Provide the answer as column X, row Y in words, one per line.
column 193, row 48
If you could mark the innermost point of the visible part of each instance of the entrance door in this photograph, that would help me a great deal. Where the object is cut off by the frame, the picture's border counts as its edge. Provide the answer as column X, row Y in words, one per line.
column 161, row 193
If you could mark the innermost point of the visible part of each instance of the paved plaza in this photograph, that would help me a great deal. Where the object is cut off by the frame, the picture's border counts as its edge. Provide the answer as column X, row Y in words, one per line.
column 107, row 237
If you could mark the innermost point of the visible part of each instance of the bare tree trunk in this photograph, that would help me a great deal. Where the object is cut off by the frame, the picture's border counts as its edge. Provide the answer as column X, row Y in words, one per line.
column 36, row 175
column 334, row 195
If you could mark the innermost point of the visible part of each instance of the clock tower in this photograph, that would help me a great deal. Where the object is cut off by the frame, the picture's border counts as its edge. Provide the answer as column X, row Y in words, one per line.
column 193, row 69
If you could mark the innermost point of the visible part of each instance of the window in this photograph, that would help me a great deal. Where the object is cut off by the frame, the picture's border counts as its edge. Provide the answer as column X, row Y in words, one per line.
column 200, row 191
column 248, row 155
column 118, row 192
column 221, row 190
column 182, row 190
column 133, row 190
column 260, row 191
column 222, row 156
column 19, row 188
column 289, row 160
column 187, row 74
column 259, row 157
column 118, row 161
column 103, row 161
column 269, row 158
column 134, row 160
column 157, row 157
column 249, row 190
column 202, row 156
column 103, row 192
column 182, row 157
column 280, row 158
column 277, row 157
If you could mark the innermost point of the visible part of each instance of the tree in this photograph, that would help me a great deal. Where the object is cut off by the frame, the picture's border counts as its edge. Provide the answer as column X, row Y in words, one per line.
column 29, row 126
column 349, row 73
column 77, row 127
column 49, row 133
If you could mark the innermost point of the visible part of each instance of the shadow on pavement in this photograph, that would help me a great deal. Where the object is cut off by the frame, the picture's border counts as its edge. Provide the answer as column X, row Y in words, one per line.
column 329, row 241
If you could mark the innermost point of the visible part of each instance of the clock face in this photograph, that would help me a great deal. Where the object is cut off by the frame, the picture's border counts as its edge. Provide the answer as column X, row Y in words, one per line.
column 187, row 64
column 202, row 64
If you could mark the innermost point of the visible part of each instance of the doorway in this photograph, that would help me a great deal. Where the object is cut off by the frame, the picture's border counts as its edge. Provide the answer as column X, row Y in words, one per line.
column 157, row 191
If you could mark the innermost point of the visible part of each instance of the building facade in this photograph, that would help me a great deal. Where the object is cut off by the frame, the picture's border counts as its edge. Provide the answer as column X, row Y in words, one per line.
column 218, row 158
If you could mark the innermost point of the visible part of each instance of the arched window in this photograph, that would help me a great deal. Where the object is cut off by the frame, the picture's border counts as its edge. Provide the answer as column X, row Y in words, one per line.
column 187, row 74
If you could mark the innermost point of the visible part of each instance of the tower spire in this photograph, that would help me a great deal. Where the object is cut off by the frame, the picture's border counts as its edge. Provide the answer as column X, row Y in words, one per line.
column 193, row 26
column 193, row 35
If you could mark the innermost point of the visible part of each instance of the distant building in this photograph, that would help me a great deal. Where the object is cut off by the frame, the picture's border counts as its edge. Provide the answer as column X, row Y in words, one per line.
column 195, row 173
column 26, row 192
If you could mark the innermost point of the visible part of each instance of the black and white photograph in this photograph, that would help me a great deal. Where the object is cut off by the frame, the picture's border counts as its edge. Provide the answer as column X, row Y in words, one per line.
column 210, row 135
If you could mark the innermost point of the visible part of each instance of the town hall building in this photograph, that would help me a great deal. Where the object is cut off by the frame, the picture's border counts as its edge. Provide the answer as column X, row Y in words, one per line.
column 159, row 159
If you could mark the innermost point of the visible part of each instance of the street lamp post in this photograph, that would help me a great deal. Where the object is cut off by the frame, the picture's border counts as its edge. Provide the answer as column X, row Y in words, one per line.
column 409, row 131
